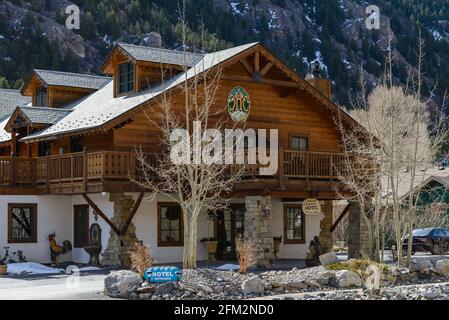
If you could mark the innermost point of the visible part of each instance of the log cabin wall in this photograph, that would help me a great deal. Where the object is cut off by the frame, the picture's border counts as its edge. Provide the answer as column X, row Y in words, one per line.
column 297, row 114
column 61, row 96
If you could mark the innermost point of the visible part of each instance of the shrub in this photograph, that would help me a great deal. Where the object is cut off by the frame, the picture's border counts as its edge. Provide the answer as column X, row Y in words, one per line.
column 141, row 258
column 246, row 254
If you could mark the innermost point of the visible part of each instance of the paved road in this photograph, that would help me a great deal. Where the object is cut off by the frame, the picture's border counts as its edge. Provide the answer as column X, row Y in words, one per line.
column 54, row 287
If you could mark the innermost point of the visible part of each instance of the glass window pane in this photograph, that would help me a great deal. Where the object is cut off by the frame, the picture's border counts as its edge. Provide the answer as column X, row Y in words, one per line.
column 21, row 223
column 294, row 223
column 170, row 224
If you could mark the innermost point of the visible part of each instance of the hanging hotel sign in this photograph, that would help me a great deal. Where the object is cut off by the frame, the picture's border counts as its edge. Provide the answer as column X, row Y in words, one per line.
column 239, row 104
column 163, row 274
column 311, row 207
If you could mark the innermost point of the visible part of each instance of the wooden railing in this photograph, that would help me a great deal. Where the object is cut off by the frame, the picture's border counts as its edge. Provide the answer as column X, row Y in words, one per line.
column 86, row 167
column 18, row 171
column 300, row 165
column 311, row 165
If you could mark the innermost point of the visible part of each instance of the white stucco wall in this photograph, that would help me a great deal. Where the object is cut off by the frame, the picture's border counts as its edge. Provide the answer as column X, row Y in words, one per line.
column 53, row 213
column 312, row 228
column 145, row 221
column 79, row 255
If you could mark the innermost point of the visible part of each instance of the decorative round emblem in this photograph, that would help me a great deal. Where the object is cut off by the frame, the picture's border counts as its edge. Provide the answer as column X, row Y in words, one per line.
column 311, row 207
column 239, row 104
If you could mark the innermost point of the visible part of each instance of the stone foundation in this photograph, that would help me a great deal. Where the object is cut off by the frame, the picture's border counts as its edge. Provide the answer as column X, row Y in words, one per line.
column 259, row 228
column 358, row 233
column 118, row 250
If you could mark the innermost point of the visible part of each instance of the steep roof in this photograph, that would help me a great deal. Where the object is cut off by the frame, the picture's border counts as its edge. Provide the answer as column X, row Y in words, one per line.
column 101, row 110
column 44, row 115
column 422, row 178
column 4, row 135
column 9, row 100
column 100, row 107
column 164, row 56
column 68, row 79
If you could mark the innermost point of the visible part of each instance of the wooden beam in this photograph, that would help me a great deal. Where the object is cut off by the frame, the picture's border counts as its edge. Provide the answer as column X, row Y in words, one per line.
column 257, row 62
column 101, row 214
column 273, row 82
column 266, row 68
column 132, row 213
column 247, row 67
column 287, row 92
column 340, row 217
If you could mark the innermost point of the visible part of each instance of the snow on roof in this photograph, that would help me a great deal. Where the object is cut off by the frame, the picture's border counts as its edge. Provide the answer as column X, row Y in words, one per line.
column 67, row 79
column 101, row 107
column 44, row 115
column 422, row 178
column 4, row 136
column 158, row 55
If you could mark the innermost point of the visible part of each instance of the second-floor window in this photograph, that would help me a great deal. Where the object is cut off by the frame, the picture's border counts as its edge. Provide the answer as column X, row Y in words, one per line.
column 299, row 143
column 125, row 77
column 41, row 97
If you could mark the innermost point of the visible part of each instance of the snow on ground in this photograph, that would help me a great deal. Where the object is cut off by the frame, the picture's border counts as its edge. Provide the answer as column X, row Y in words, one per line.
column 236, row 8
column 273, row 19
column 31, row 268
column 87, row 269
column 319, row 58
column 437, row 35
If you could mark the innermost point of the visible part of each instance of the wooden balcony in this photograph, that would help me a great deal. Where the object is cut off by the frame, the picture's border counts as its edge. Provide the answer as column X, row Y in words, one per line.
column 111, row 171
column 68, row 173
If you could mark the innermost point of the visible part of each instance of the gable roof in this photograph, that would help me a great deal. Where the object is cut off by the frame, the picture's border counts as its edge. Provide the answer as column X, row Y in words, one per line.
column 100, row 107
column 155, row 55
column 4, row 135
column 37, row 115
column 9, row 100
column 44, row 115
column 102, row 111
column 66, row 79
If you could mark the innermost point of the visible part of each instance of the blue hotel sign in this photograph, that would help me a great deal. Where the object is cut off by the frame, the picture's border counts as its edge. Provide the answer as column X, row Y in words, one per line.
column 163, row 274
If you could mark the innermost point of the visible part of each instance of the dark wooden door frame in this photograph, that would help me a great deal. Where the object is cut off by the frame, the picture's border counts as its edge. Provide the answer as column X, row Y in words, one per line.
column 108, row 221
column 232, row 207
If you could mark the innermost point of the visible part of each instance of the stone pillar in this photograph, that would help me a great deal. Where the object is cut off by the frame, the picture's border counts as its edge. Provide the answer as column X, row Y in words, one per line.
column 358, row 232
column 259, row 228
column 326, row 238
column 119, row 246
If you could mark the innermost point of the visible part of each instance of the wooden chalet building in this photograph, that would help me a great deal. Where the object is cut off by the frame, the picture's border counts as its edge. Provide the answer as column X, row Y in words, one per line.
column 67, row 148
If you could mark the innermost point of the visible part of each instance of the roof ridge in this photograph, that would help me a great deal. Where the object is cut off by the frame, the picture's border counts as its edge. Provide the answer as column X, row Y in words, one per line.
column 73, row 73
column 160, row 49
column 44, row 108
column 12, row 90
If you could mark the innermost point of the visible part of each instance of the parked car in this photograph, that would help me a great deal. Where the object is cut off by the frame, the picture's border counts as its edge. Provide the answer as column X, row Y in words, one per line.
column 433, row 240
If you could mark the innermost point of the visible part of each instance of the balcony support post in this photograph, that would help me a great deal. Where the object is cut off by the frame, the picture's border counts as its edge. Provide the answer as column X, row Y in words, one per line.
column 13, row 158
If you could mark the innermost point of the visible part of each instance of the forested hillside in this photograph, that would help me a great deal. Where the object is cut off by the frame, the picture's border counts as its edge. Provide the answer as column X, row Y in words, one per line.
column 33, row 34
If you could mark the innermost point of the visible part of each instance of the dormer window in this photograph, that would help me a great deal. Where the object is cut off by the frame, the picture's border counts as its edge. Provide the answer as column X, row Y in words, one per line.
column 41, row 97
column 125, row 78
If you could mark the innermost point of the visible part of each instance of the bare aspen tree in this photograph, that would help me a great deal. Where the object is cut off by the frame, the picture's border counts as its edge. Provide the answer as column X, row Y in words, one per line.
column 359, row 174
column 404, row 142
column 198, row 187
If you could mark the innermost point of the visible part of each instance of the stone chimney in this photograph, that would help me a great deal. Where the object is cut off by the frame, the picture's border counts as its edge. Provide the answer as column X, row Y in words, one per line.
column 315, row 79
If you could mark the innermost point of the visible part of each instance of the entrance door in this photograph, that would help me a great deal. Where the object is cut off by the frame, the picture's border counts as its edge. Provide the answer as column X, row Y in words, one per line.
column 230, row 227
